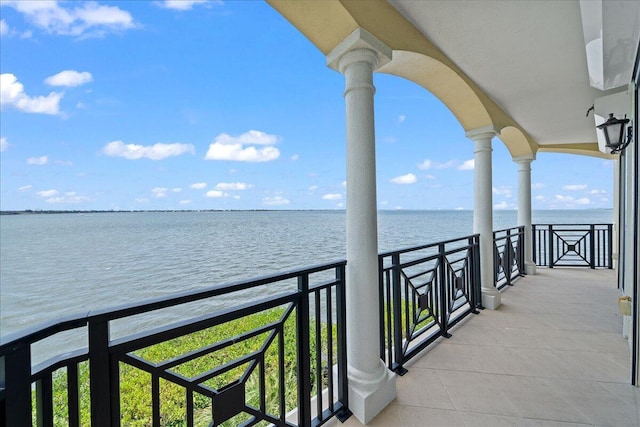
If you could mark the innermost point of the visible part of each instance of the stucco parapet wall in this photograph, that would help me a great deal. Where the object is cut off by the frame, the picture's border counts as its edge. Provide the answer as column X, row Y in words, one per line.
column 357, row 40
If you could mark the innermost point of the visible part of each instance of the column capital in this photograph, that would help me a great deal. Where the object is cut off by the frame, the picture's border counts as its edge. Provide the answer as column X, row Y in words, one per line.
column 485, row 132
column 363, row 41
column 525, row 158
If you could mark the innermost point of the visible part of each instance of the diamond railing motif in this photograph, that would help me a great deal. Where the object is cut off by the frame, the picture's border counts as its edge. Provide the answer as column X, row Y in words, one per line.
column 424, row 291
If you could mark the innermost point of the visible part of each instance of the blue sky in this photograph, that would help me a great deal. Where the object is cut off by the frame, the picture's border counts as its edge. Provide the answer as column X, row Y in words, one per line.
column 223, row 105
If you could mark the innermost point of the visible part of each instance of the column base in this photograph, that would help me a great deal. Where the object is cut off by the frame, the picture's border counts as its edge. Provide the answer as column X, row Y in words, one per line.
column 491, row 298
column 365, row 402
column 529, row 268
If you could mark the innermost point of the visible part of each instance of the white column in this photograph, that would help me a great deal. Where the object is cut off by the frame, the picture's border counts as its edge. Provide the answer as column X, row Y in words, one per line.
column 371, row 385
column 524, row 208
column 483, row 212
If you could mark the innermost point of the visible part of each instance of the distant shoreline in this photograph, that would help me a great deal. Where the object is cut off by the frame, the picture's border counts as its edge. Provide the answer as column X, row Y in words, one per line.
column 53, row 212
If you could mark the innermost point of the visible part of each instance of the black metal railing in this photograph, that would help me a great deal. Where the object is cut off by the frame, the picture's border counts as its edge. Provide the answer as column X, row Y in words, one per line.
column 424, row 291
column 508, row 259
column 573, row 245
column 228, row 367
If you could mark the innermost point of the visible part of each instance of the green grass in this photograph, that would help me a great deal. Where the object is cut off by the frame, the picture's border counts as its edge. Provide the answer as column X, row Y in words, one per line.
column 135, row 384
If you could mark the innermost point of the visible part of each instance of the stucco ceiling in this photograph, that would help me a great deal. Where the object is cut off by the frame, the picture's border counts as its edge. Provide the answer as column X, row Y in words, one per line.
column 528, row 56
column 518, row 66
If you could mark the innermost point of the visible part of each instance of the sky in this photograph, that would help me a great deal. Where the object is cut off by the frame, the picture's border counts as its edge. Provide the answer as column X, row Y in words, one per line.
column 188, row 105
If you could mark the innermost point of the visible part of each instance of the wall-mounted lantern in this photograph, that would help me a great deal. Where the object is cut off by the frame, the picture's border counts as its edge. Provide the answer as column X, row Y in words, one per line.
column 614, row 133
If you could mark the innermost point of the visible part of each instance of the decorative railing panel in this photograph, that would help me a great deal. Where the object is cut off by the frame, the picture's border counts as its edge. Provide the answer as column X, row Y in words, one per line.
column 573, row 245
column 423, row 292
column 508, row 260
column 277, row 357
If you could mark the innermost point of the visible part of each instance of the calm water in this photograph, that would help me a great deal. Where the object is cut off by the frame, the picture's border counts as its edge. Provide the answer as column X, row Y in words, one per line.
column 63, row 264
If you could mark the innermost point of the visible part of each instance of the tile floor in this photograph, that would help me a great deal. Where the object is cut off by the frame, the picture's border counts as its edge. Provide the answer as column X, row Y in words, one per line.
column 551, row 355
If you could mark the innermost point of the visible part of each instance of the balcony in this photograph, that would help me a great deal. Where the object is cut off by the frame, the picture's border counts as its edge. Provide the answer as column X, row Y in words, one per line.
column 551, row 353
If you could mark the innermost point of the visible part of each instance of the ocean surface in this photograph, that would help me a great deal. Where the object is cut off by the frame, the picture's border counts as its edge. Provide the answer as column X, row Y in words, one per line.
column 55, row 265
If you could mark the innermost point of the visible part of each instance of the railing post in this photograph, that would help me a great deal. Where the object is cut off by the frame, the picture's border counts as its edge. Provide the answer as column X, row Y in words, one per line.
column 533, row 243
column 471, row 260
column 381, row 308
column 44, row 401
column 341, row 318
column 397, row 314
column 496, row 262
column 99, row 372
column 592, row 246
column 477, row 277
column 550, row 245
column 444, row 306
column 609, row 246
column 522, row 242
column 15, row 374
column 304, row 353
column 508, row 247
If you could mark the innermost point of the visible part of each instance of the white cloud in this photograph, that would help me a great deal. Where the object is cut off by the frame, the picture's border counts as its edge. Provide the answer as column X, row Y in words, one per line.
column 467, row 165
column 157, row 151
column 176, row 190
column 540, row 198
column 159, row 192
column 570, row 201
column 47, row 193
column 594, row 192
column 184, row 202
column 503, row 191
column 575, row 187
column 402, row 118
column 295, row 157
column 241, row 148
column 182, row 4
column 236, row 152
column 43, row 160
column 334, row 196
column 583, row 201
column 12, row 95
column 313, row 188
column 142, row 200
column 226, row 186
column 445, row 165
column 344, row 183
column 3, row 143
column 428, row 176
column 4, row 28
column 69, row 78
column 87, row 19
column 251, row 137
column 404, row 179
column 426, row 164
column 198, row 185
column 69, row 197
column 25, row 187
column 216, row 194
column 430, row 164
column 275, row 201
